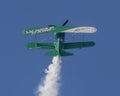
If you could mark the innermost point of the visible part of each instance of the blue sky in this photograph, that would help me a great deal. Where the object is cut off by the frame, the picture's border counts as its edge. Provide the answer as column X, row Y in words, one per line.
column 90, row 72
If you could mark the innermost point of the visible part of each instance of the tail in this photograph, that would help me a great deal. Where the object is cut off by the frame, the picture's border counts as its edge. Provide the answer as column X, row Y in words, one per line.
column 56, row 53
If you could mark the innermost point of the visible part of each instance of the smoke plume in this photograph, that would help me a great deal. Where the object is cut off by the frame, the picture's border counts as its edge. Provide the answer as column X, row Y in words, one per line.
column 50, row 84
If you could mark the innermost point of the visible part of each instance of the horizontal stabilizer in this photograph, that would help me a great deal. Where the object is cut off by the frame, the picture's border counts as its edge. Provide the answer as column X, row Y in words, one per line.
column 52, row 53
column 78, row 45
column 40, row 46
column 66, row 53
column 56, row 53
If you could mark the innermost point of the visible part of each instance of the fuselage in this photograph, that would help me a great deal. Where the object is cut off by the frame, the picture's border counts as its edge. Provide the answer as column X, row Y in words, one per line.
column 59, row 42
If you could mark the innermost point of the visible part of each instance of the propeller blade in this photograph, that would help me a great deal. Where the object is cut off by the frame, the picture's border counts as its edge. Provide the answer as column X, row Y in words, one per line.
column 65, row 23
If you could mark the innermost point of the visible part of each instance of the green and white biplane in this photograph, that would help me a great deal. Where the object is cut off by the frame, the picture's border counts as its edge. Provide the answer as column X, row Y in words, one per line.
column 59, row 47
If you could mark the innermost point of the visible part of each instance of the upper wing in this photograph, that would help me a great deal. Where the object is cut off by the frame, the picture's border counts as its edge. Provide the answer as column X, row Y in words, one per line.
column 81, row 30
column 40, row 46
column 38, row 30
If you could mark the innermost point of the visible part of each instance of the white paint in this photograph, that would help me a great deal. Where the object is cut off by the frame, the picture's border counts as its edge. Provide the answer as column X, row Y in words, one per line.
column 81, row 30
column 50, row 85
column 41, row 30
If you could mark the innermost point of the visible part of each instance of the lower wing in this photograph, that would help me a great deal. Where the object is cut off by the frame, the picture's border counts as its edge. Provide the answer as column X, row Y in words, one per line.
column 40, row 46
column 78, row 45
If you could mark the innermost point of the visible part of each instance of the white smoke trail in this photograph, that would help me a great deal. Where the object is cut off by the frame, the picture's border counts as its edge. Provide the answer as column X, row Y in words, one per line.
column 50, row 85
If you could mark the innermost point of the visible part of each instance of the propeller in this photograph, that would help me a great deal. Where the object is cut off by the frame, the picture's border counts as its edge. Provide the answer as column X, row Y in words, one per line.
column 65, row 23
column 51, row 25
